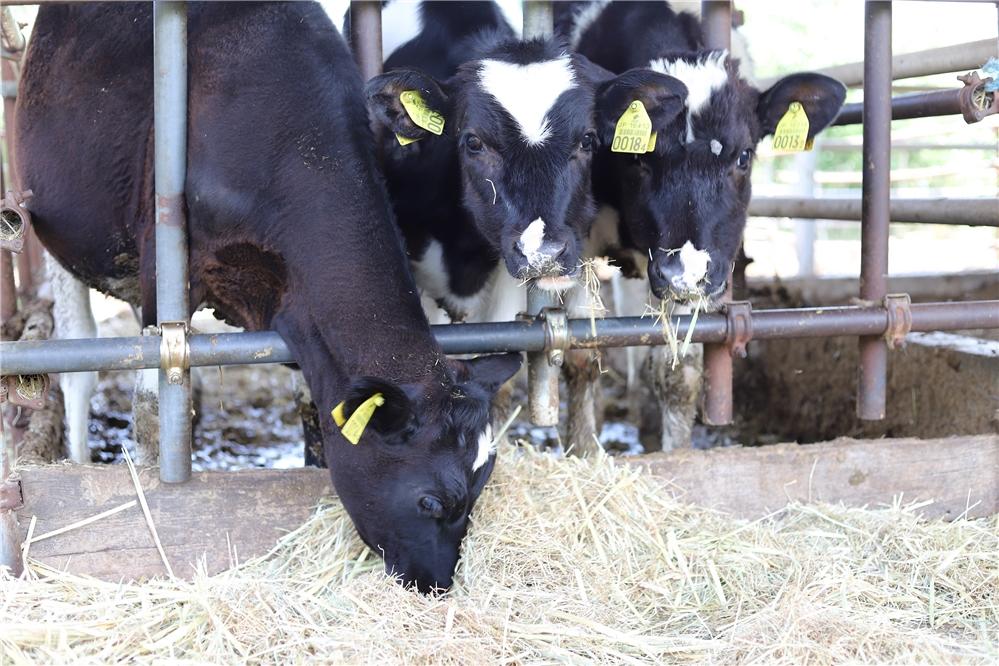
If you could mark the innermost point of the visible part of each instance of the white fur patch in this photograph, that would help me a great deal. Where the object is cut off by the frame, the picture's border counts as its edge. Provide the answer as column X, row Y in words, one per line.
column 716, row 146
column 701, row 78
column 695, row 266
column 400, row 23
column 531, row 239
column 584, row 18
column 528, row 92
column 501, row 298
column 486, row 448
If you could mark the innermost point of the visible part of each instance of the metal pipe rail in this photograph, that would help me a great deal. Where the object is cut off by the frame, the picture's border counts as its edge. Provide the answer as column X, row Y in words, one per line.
column 920, row 105
column 955, row 58
column 140, row 352
column 973, row 212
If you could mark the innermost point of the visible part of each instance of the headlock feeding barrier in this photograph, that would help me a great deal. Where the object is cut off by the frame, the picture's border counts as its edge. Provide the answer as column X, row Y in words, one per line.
column 880, row 323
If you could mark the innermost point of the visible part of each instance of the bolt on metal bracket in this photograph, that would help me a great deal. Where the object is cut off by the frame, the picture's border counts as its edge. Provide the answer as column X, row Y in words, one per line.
column 556, row 334
column 739, row 315
column 976, row 102
column 15, row 220
column 899, row 309
column 175, row 352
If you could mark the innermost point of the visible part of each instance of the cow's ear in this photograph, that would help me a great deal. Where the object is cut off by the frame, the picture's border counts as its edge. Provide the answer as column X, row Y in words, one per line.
column 385, row 105
column 490, row 371
column 663, row 96
column 393, row 415
column 820, row 95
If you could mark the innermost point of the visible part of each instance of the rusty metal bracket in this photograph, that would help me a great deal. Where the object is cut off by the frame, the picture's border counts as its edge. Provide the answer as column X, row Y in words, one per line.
column 175, row 352
column 898, row 307
column 11, row 495
column 29, row 391
column 15, row 220
column 739, row 315
column 556, row 334
column 976, row 102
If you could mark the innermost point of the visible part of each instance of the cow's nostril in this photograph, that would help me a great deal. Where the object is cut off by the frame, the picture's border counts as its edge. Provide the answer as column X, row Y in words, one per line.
column 559, row 248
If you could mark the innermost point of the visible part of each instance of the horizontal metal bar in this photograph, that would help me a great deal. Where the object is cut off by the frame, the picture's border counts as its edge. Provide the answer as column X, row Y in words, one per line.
column 135, row 353
column 918, row 105
column 956, row 58
column 848, row 146
column 975, row 212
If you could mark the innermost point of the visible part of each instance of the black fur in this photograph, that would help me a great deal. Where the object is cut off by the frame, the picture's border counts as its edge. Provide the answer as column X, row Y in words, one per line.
column 289, row 229
column 683, row 192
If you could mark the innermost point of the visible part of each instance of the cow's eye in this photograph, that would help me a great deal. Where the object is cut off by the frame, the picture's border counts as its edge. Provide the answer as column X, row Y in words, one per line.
column 432, row 507
column 745, row 157
column 588, row 141
column 473, row 143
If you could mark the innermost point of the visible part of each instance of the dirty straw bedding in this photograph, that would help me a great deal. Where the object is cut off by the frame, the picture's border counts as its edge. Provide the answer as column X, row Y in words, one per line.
column 567, row 561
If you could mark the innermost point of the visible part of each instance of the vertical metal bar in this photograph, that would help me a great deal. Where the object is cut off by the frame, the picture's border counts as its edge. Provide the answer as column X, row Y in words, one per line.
column 542, row 376
column 8, row 294
column 716, row 24
column 10, row 532
column 539, row 19
column 366, row 36
column 875, row 201
column 170, row 107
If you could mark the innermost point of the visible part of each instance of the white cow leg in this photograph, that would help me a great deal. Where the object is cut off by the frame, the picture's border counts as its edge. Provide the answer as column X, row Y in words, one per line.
column 145, row 416
column 677, row 391
column 73, row 319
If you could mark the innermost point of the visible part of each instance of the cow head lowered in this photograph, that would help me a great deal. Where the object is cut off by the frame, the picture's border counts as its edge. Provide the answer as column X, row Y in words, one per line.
column 519, row 122
column 419, row 464
column 684, row 204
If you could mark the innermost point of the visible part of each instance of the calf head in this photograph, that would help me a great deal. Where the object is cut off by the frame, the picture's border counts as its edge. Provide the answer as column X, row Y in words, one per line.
column 685, row 203
column 519, row 123
column 411, row 480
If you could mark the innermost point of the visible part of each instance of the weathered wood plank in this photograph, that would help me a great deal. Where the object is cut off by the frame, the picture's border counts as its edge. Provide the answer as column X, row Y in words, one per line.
column 954, row 472
column 251, row 509
column 248, row 510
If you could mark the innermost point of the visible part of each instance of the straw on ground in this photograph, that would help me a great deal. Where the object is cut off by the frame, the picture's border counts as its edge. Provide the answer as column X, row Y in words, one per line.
column 567, row 560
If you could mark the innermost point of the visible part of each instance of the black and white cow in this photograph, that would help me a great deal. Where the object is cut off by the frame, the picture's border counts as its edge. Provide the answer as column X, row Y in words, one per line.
column 503, row 194
column 680, row 210
column 290, row 228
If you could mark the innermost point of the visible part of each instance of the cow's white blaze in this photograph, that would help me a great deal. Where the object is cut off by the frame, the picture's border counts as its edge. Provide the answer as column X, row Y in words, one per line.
column 695, row 265
column 716, row 146
column 702, row 78
column 530, row 241
column 528, row 92
column 486, row 447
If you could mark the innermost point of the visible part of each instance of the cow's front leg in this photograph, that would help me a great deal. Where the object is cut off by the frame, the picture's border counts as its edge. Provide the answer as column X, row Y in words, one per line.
column 309, row 413
column 677, row 391
column 582, row 375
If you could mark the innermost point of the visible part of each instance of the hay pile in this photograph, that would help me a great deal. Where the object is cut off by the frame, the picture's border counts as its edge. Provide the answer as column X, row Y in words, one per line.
column 568, row 560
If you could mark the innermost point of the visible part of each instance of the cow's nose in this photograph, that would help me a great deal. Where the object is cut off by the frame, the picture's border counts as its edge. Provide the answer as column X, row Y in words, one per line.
column 668, row 275
column 554, row 250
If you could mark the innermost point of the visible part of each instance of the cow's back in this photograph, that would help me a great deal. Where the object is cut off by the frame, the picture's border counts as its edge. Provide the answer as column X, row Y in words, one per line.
column 84, row 137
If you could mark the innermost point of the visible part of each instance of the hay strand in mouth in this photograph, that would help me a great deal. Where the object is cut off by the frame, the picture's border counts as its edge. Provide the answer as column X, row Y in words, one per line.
column 568, row 560
column 662, row 312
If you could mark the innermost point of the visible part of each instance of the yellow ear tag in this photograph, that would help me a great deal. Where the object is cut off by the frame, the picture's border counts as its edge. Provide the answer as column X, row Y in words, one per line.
column 633, row 132
column 420, row 113
column 353, row 427
column 404, row 141
column 791, row 135
column 652, row 143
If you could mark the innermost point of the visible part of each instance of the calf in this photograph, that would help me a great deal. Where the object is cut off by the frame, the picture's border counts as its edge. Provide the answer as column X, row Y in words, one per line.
column 501, row 193
column 289, row 229
column 679, row 211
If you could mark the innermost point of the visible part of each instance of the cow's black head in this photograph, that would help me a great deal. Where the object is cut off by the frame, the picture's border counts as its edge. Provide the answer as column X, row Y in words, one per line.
column 410, row 482
column 684, row 205
column 519, row 121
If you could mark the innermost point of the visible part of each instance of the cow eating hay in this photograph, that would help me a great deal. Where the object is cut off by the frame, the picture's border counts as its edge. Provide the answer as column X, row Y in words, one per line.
column 568, row 560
